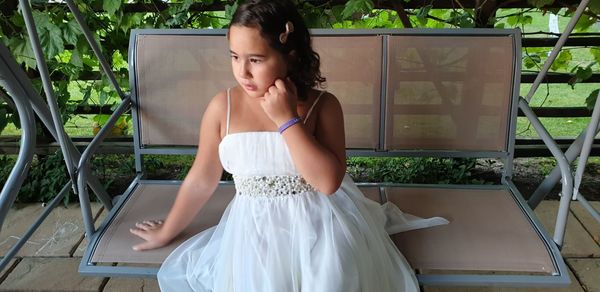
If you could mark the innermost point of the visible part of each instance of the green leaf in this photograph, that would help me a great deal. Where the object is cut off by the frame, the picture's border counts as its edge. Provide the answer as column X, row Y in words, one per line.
column 71, row 31
column 186, row 4
column 590, row 101
column 111, row 6
column 51, row 41
column 177, row 19
column 17, row 20
column 131, row 20
column 540, row 3
column 595, row 51
column 585, row 22
column 230, row 10
column 581, row 74
column 357, row 6
column 519, row 19
column 50, row 35
column 562, row 61
column 337, row 11
column 101, row 119
column 422, row 15
column 76, row 58
column 21, row 50
column 532, row 60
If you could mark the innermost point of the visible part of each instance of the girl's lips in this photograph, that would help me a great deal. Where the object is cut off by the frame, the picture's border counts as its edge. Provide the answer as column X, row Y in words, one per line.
column 249, row 87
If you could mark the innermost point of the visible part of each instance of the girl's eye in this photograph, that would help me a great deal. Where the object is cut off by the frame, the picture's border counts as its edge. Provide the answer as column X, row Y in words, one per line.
column 234, row 57
column 255, row 61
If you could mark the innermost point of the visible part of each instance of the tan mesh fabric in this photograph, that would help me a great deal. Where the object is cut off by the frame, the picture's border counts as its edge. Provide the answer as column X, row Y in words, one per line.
column 176, row 78
column 352, row 66
column 153, row 201
column 448, row 94
column 487, row 232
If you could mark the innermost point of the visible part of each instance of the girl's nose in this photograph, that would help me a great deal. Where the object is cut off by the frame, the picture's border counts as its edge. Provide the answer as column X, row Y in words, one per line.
column 244, row 70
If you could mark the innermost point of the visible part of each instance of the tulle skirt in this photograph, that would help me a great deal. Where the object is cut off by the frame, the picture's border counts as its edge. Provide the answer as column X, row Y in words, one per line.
column 303, row 242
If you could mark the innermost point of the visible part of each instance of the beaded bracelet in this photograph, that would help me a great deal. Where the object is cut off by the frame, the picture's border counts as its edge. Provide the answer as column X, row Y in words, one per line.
column 289, row 124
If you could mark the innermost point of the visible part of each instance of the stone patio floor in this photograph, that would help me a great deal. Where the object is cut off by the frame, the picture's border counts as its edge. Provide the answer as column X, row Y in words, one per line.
column 50, row 259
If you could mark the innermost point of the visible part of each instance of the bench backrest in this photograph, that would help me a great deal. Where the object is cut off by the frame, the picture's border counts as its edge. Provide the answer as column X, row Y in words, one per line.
column 431, row 92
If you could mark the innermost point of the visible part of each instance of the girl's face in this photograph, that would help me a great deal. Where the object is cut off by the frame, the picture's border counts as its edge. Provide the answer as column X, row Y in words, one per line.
column 255, row 64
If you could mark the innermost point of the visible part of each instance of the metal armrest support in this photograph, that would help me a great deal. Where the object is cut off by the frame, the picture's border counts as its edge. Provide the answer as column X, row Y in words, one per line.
column 565, row 170
column 83, row 169
column 21, row 168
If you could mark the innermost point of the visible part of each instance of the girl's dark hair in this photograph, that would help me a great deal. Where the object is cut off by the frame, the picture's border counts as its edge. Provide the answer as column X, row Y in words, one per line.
column 270, row 17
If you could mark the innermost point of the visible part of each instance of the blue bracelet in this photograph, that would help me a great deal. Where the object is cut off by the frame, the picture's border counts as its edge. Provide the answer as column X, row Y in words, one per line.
column 289, row 124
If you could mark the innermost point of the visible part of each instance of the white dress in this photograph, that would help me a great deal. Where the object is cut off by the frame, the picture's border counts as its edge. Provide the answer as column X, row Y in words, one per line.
column 279, row 234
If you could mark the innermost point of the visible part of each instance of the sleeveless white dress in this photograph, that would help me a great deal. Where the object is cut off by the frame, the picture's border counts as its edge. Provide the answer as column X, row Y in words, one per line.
column 279, row 234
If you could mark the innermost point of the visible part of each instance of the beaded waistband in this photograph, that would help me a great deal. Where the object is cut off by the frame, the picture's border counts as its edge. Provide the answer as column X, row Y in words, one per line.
column 271, row 186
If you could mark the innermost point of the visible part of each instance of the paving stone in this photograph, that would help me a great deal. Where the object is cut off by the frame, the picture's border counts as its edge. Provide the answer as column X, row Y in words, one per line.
column 573, row 287
column 588, row 271
column 57, row 235
column 589, row 223
column 577, row 242
column 131, row 284
column 49, row 274
column 4, row 273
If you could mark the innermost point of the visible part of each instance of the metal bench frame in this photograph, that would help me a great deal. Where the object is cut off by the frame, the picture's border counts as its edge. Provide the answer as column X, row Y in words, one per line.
column 89, row 268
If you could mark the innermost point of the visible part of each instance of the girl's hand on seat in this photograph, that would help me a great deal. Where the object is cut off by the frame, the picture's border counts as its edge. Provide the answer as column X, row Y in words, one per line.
column 150, row 231
column 279, row 102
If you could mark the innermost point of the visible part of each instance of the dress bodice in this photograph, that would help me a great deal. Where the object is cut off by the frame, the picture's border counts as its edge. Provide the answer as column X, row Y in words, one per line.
column 256, row 154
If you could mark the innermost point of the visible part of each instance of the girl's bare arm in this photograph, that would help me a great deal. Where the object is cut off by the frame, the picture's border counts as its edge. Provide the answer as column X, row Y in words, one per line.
column 197, row 187
column 321, row 159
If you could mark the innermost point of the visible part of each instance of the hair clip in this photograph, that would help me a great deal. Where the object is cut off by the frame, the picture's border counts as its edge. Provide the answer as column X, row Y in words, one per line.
column 289, row 28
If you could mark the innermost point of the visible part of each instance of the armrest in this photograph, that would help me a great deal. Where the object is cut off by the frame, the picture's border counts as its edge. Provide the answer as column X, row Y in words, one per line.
column 563, row 164
column 83, row 169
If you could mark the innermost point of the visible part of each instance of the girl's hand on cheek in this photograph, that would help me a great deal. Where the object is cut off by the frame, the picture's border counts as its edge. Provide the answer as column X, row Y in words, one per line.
column 279, row 102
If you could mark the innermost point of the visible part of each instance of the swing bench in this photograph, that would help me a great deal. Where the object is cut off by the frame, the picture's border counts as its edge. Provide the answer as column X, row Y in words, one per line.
column 404, row 93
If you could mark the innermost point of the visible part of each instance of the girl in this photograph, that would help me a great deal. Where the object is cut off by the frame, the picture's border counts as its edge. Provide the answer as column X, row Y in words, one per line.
column 297, row 222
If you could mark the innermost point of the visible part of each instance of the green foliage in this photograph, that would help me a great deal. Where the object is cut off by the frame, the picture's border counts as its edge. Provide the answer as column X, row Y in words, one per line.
column 111, row 6
column 6, row 165
column 67, row 51
column 519, row 19
column 590, row 101
column 411, row 170
column 581, row 74
column 353, row 7
column 51, row 36
column 562, row 61
column 540, row 3
column 47, row 176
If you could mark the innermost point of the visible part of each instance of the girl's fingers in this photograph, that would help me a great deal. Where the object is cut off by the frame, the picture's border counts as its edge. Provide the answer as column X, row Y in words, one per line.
column 279, row 84
column 273, row 89
column 144, row 246
column 137, row 231
column 148, row 224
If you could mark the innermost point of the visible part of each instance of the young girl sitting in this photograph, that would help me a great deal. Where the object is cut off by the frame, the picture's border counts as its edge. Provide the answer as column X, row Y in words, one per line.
column 297, row 221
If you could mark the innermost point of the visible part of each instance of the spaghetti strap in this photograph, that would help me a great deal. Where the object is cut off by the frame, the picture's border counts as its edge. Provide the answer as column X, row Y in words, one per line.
column 228, row 111
column 313, row 106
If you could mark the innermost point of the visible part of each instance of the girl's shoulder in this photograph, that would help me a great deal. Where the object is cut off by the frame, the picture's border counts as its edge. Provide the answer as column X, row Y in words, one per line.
column 218, row 103
column 327, row 101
